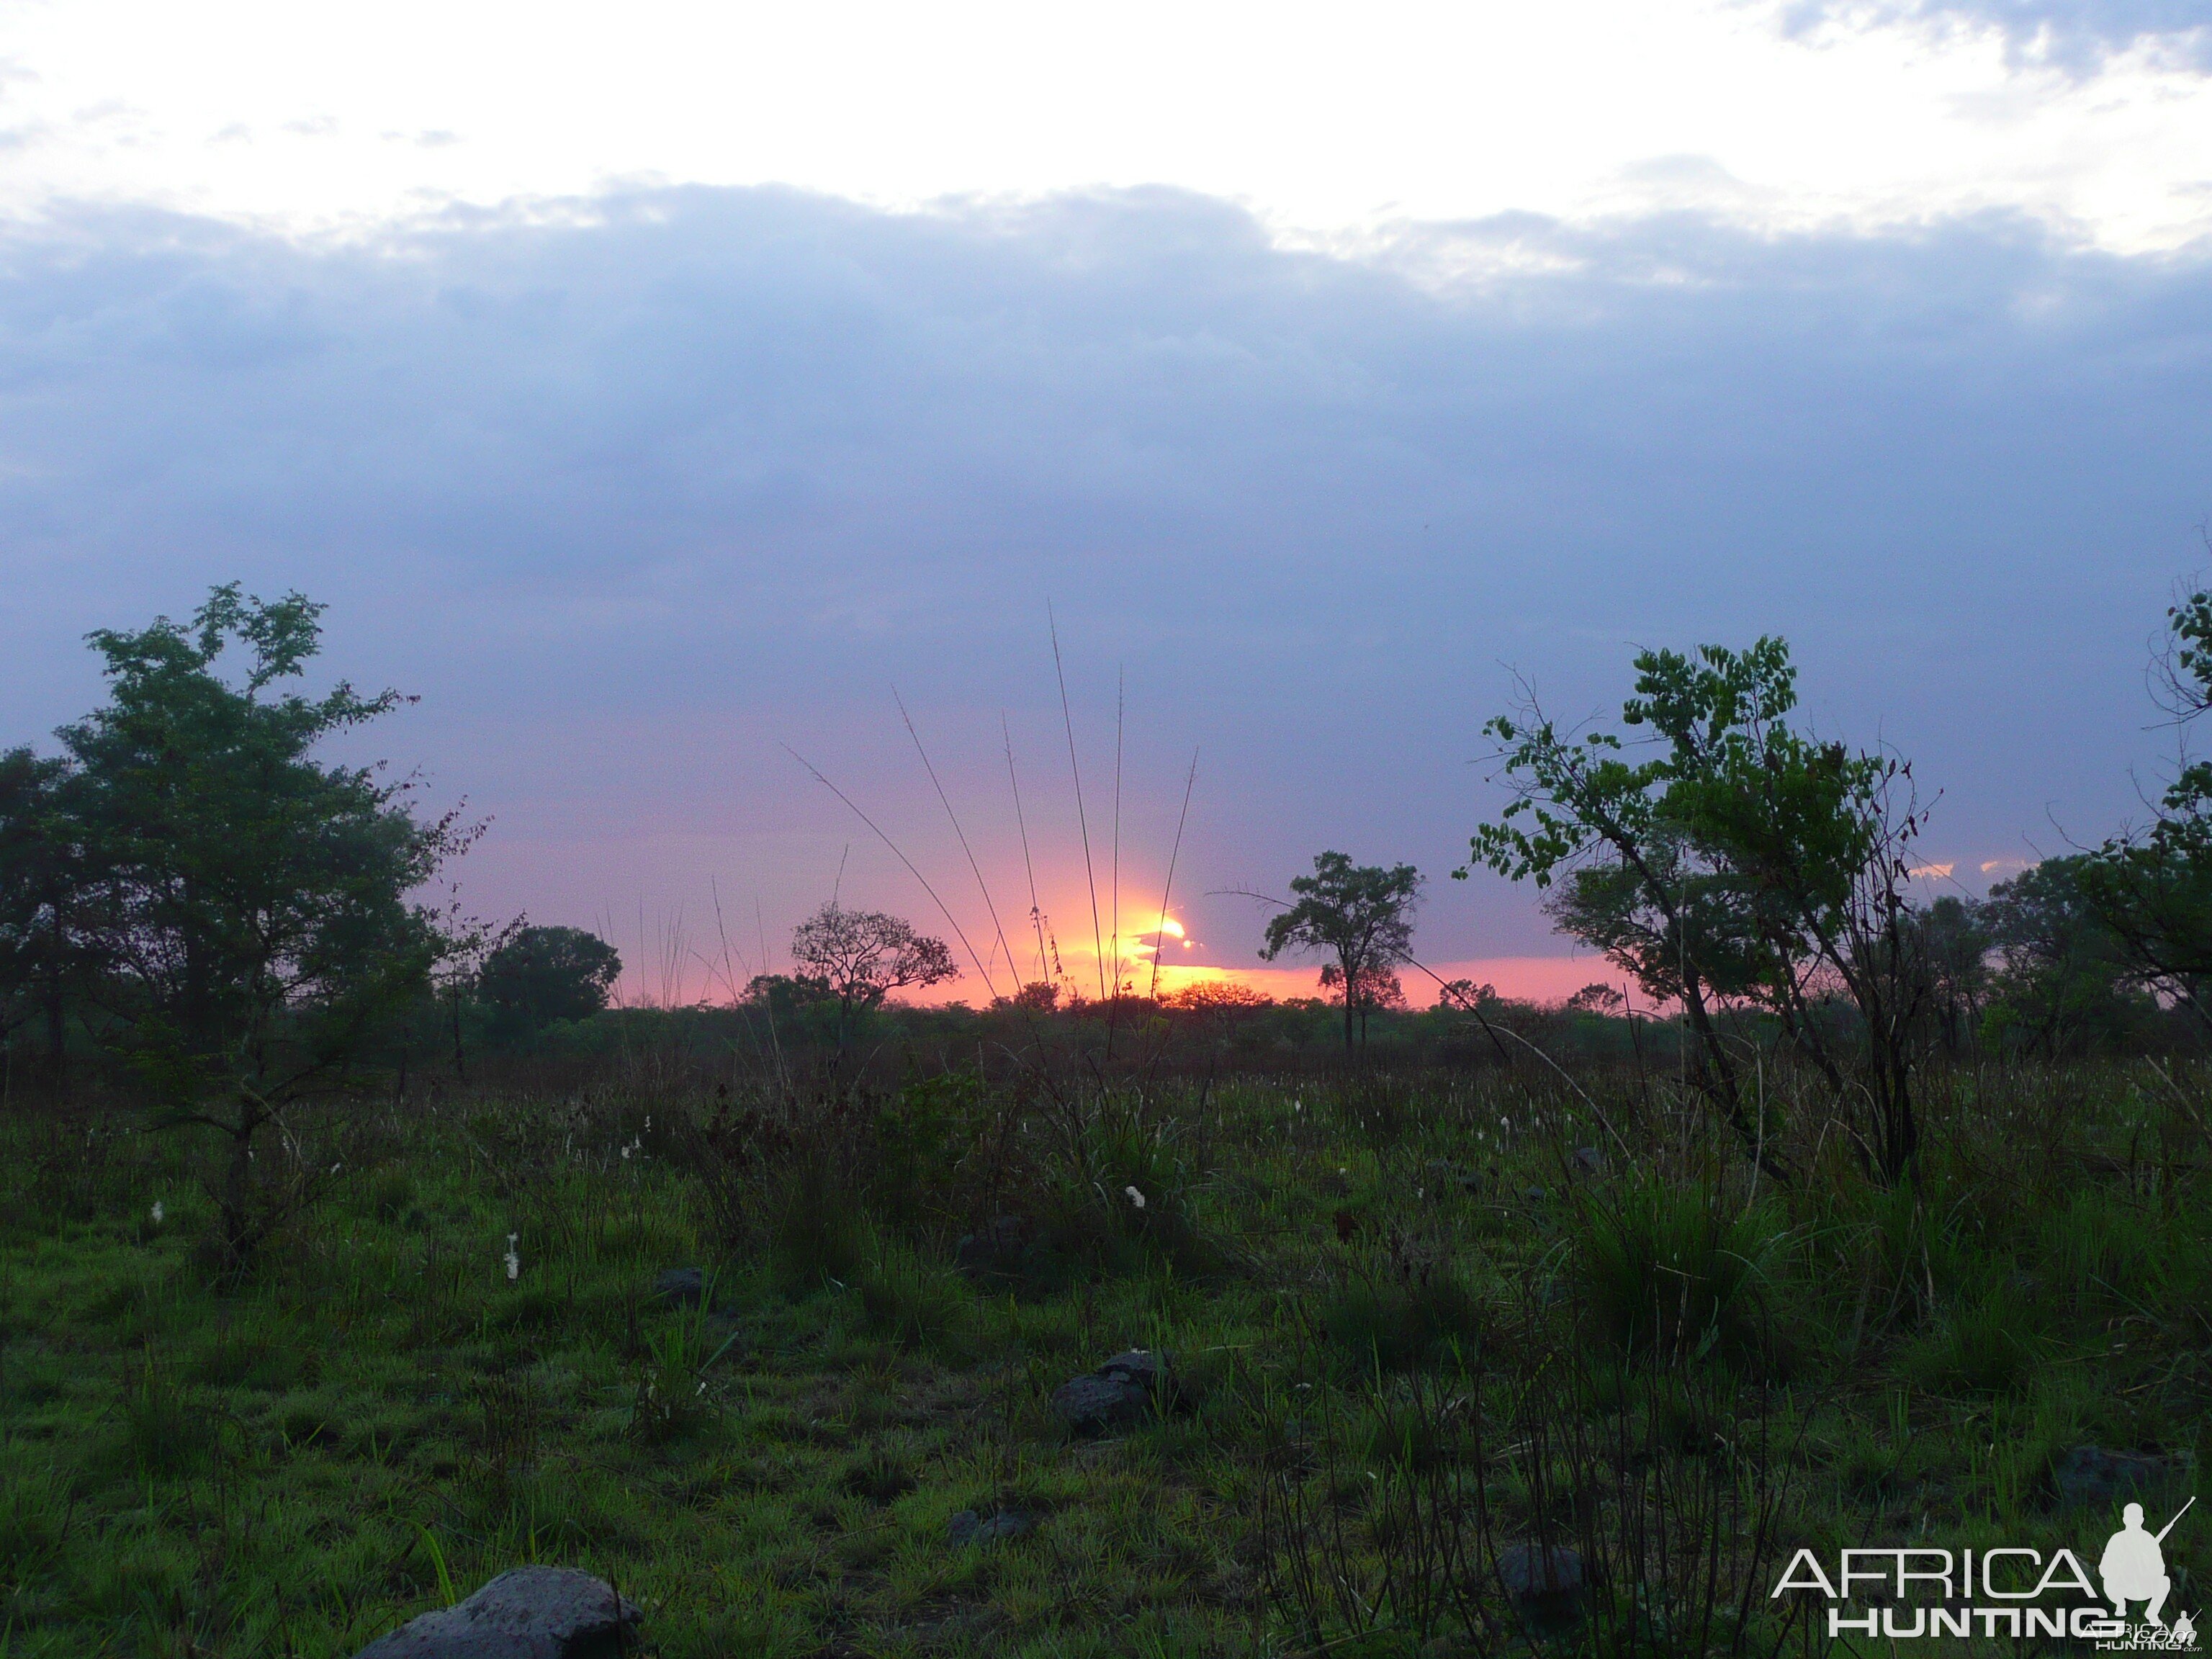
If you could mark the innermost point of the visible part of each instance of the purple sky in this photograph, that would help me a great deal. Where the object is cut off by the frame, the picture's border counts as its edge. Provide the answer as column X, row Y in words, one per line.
column 634, row 501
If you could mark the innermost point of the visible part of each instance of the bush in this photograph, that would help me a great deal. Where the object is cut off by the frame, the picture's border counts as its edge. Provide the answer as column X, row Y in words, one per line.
column 166, row 1432
column 1133, row 1210
column 1985, row 1343
column 1402, row 1317
column 879, row 1477
column 923, row 1137
column 1667, row 1271
column 911, row 1302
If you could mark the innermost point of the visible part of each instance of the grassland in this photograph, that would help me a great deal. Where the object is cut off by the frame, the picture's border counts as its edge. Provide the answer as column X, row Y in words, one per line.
column 1413, row 1321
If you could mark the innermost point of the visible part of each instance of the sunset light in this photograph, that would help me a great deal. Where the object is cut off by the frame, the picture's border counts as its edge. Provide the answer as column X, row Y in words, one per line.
column 1182, row 828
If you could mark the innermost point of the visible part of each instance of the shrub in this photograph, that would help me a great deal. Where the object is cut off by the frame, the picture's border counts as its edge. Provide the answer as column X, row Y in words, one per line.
column 1667, row 1271
column 669, row 1397
column 911, row 1302
column 1121, row 1199
column 877, row 1476
column 1402, row 1317
column 923, row 1137
column 36, row 1512
column 1985, row 1343
column 166, row 1432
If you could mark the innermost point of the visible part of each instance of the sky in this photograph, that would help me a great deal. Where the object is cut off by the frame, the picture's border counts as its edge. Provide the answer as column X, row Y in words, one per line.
column 675, row 398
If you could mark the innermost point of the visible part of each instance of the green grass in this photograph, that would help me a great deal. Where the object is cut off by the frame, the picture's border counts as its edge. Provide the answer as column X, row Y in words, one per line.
column 1410, row 1329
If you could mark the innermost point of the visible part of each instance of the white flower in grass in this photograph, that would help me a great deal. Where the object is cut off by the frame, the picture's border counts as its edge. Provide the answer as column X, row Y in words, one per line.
column 1135, row 1197
column 157, row 1213
column 513, row 1259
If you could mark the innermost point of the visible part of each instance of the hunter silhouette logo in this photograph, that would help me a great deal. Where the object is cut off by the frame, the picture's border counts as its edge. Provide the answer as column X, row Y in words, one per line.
column 2134, row 1568
column 2007, row 1591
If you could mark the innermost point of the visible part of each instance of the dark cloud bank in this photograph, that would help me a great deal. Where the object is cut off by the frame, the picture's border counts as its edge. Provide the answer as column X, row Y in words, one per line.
column 631, row 500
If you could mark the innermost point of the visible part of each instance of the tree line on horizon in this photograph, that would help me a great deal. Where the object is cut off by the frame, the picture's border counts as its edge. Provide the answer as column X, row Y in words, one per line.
column 231, row 923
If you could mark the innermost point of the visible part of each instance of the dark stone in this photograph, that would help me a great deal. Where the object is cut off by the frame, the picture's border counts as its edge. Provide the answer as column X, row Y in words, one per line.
column 1088, row 1404
column 1545, row 1585
column 2089, row 1474
column 681, row 1287
column 969, row 1527
column 1138, row 1365
column 1591, row 1160
column 1117, row 1393
column 999, row 1249
column 1534, row 1195
column 1530, row 1570
column 530, row 1613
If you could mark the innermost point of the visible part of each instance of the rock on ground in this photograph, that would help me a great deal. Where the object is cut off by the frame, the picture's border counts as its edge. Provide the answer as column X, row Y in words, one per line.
column 1529, row 1571
column 2090, row 1475
column 1138, row 1365
column 1094, row 1402
column 969, row 1527
column 530, row 1613
column 681, row 1287
column 998, row 1250
column 1114, row 1395
column 1545, row 1585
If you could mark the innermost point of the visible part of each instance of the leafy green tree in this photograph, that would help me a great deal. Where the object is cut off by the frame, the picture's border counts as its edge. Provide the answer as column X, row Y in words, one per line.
column 41, row 953
column 1954, row 947
column 542, row 975
column 863, row 956
column 1745, row 863
column 2153, row 887
column 250, row 905
column 1362, row 915
column 1598, row 831
column 2063, row 985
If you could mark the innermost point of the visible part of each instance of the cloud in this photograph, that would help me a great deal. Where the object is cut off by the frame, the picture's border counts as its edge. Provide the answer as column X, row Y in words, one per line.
column 2077, row 35
column 636, row 489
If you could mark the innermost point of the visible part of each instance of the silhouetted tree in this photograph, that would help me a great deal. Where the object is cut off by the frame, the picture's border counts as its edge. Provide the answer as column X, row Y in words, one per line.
column 863, row 956
column 1372, row 989
column 2062, row 984
column 2153, row 887
column 1039, row 996
column 542, row 975
column 1955, row 945
column 1361, row 915
column 1597, row 998
column 41, row 875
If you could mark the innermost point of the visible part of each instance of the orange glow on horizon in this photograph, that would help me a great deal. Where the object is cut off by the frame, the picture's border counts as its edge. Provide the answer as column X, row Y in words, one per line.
column 1546, row 980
